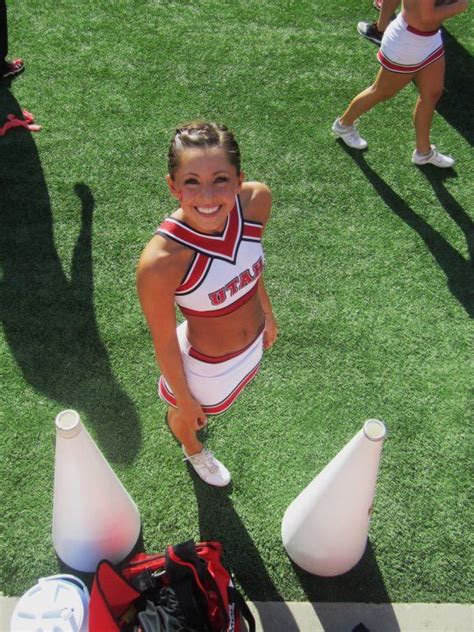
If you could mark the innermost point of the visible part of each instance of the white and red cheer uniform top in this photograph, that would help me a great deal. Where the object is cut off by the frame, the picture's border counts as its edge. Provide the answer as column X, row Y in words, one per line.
column 224, row 271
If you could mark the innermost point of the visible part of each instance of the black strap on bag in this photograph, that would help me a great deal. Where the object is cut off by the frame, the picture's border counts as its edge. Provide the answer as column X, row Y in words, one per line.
column 182, row 577
column 236, row 598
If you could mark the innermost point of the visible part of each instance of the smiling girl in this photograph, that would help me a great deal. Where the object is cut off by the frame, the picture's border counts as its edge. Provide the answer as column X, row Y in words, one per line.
column 207, row 258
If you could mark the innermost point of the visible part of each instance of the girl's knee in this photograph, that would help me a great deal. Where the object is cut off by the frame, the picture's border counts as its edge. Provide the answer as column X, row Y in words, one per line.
column 431, row 97
column 436, row 95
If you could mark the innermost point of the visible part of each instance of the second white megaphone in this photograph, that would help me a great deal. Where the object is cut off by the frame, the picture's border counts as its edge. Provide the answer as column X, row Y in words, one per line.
column 324, row 530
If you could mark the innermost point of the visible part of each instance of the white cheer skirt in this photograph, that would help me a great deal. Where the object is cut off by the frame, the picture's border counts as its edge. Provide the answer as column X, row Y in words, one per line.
column 404, row 49
column 215, row 382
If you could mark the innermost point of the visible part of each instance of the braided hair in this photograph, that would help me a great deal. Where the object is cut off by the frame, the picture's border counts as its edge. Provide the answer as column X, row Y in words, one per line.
column 202, row 134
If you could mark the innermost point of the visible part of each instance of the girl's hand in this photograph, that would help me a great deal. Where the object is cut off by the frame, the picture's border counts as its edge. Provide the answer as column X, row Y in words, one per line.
column 270, row 332
column 191, row 414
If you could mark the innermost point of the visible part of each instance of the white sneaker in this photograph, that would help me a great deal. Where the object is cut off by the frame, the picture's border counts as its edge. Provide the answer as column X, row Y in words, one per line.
column 434, row 157
column 349, row 135
column 209, row 468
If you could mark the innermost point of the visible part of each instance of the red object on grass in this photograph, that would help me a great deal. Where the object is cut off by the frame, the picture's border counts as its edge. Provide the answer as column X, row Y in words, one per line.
column 27, row 122
column 115, row 590
column 12, row 68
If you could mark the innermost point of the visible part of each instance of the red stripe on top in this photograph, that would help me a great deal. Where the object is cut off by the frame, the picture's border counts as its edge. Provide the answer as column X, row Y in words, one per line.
column 220, row 245
column 390, row 65
column 195, row 274
column 412, row 29
column 194, row 353
column 212, row 313
column 252, row 230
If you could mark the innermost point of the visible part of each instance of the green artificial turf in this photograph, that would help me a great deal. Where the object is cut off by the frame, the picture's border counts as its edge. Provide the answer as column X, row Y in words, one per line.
column 369, row 266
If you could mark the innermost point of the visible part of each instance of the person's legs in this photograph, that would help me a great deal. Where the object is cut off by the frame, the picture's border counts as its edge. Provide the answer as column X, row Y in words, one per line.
column 8, row 69
column 183, row 433
column 387, row 10
column 374, row 31
column 3, row 33
column 215, row 382
column 430, row 82
column 385, row 86
column 210, row 469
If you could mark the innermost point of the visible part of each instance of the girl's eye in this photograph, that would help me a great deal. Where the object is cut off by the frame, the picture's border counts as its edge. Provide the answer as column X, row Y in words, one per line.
column 221, row 179
column 191, row 181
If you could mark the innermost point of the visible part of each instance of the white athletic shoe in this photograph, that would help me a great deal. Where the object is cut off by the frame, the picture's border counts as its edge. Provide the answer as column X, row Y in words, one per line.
column 349, row 135
column 434, row 157
column 209, row 468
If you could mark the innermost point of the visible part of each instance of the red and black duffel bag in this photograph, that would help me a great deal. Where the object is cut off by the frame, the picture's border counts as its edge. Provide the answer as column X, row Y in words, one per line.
column 186, row 589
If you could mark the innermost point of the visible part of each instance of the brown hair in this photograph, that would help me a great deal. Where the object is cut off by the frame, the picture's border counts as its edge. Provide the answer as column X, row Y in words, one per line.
column 199, row 134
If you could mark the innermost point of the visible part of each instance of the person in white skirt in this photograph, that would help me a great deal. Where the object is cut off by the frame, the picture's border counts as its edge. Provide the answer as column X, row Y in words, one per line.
column 207, row 259
column 411, row 50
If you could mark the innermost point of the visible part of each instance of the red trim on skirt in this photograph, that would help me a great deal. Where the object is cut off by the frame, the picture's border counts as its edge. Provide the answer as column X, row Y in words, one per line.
column 216, row 408
column 393, row 67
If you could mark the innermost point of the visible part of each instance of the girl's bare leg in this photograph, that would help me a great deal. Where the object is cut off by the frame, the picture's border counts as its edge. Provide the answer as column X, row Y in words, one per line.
column 183, row 433
column 385, row 86
column 386, row 11
column 429, row 81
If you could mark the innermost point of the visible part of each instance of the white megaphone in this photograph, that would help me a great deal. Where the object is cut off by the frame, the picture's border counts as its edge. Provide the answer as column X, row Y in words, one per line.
column 94, row 517
column 324, row 530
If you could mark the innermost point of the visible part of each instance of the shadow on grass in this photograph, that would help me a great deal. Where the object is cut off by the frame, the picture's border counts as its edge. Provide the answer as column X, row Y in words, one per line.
column 362, row 584
column 457, row 269
column 218, row 520
column 48, row 320
column 456, row 103
column 437, row 178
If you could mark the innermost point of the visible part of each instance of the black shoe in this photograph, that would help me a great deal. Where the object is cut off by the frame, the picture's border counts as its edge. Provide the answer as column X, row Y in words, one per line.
column 10, row 69
column 370, row 31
